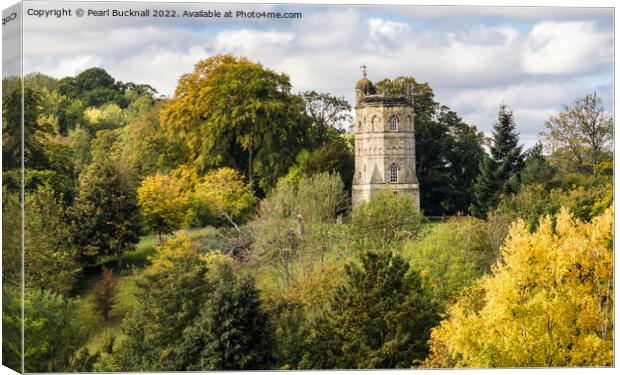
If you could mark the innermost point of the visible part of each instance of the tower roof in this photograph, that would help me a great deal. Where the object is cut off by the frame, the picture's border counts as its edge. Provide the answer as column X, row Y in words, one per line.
column 365, row 85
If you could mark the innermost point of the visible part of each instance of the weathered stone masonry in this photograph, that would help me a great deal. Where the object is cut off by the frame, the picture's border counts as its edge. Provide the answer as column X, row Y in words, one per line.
column 384, row 144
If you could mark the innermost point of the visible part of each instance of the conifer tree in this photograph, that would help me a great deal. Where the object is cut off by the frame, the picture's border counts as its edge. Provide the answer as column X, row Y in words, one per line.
column 232, row 332
column 500, row 172
column 380, row 318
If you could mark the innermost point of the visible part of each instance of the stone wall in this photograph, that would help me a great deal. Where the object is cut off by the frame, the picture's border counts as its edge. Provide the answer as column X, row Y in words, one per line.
column 376, row 148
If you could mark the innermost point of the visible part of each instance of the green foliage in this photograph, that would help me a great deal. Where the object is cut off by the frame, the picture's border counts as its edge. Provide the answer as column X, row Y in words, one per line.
column 52, row 331
column 537, row 169
column 59, row 112
column 50, row 256
column 233, row 112
column 380, row 318
column 332, row 157
column 11, row 323
column 501, row 171
column 145, row 144
column 384, row 220
column 34, row 133
column 329, row 115
column 83, row 361
column 79, row 141
column 291, row 220
column 224, row 194
column 548, row 303
column 451, row 256
column 170, row 293
column 94, row 87
column 585, row 197
column 232, row 331
column 105, row 293
column 11, row 238
column 107, row 117
column 105, row 215
column 448, row 151
column 581, row 137
column 40, row 81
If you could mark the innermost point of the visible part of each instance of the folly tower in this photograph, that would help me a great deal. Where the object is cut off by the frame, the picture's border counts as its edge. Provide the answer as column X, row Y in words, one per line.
column 384, row 143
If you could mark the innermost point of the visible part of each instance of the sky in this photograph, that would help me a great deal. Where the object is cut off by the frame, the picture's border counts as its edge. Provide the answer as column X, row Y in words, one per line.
column 534, row 59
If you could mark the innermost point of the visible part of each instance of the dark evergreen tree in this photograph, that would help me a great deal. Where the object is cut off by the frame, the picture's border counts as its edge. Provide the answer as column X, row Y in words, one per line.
column 333, row 157
column 170, row 293
column 380, row 318
column 105, row 215
column 537, row 169
column 93, row 87
column 448, row 151
column 232, row 332
column 501, row 171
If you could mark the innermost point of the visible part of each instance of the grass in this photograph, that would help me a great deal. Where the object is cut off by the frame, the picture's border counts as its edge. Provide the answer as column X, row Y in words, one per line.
column 100, row 332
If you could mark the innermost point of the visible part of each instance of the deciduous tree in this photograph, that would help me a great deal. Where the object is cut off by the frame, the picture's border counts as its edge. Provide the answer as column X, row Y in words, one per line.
column 162, row 200
column 236, row 113
column 549, row 303
column 581, row 136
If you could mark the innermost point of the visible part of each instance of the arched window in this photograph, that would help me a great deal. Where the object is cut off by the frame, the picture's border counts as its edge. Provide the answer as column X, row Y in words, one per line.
column 394, row 124
column 394, row 173
column 359, row 126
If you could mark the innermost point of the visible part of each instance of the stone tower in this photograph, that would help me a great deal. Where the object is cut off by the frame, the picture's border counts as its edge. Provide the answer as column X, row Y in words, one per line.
column 384, row 144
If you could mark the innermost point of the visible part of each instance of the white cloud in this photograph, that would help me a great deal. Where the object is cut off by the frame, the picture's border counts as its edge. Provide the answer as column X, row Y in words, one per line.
column 381, row 29
column 472, row 60
column 566, row 48
column 251, row 42
column 64, row 66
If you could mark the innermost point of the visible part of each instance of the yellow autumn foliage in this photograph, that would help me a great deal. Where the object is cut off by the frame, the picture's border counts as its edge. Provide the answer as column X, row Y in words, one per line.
column 548, row 303
column 162, row 202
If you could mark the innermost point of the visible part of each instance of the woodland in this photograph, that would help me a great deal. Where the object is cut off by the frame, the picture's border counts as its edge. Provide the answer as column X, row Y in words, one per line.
column 213, row 230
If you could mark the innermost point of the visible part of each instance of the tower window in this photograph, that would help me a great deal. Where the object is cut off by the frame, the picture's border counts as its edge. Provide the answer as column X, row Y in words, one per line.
column 394, row 123
column 394, row 173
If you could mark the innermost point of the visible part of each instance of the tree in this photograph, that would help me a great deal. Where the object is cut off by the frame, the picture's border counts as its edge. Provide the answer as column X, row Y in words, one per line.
column 93, row 87
column 384, row 221
column 448, row 151
column 329, row 115
column 549, row 303
column 231, row 112
column 105, row 291
column 536, row 168
column 379, row 318
column 232, row 331
column 60, row 112
column 52, row 331
column 162, row 200
column 225, row 193
column 51, row 261
column 451, row 256
column 33, row 137
column 291, row 217
column 105, row 215
column 170, row 293
column 145, row 144
column 581, row 136
column 501, row 171
column 333, row 157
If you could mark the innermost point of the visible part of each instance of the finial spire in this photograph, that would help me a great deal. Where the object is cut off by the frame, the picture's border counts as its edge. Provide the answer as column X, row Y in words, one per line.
column 363, row 66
